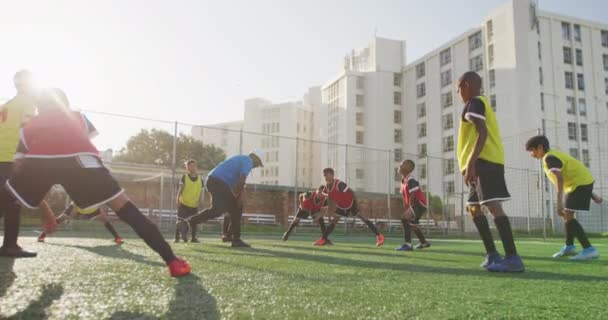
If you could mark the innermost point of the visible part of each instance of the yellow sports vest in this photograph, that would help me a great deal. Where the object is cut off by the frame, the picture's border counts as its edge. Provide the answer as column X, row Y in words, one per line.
column 191, row 192
column 12, row 115
column 467, row 137
column 573, row 171
column 83, row 211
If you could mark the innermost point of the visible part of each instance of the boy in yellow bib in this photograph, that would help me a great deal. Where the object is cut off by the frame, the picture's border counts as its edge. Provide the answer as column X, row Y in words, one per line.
column 571, row 176
column 189, row 197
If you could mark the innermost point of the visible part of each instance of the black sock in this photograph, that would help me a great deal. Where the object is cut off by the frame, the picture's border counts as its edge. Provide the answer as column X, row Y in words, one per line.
column 328, row 230
column 193, row 230
column 291, row 227
column 177, row 231
column 506, row 235
column 407, row 231
column 146, row 230
column 569, row 233
column 481, row 222
column 370, row 225
column 580, row 234
column 12, row 222
column 322, row 225
column 110, row 228
column 419, row 234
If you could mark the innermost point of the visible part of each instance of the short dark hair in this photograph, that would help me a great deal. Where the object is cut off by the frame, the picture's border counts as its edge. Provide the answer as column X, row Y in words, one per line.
column 328, row 171
column 472, row 78
column 188, row 162
column 410, row 162
column 536, row 141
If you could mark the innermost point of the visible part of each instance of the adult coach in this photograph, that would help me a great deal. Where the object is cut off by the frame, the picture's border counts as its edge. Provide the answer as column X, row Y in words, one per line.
column 189, row 197
column 225, row 183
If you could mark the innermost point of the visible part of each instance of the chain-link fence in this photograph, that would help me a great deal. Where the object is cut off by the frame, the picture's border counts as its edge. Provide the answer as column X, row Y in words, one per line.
column 148, row 160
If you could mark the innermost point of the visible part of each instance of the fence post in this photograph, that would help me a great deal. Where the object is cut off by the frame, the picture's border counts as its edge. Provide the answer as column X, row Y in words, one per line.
column 527, row 174
column 295, row 195
column 541, row 185
column 173, row 172
column 161, row 201
column 346, row 180
column 599, row 160
column 428, row 192
column 388, row 195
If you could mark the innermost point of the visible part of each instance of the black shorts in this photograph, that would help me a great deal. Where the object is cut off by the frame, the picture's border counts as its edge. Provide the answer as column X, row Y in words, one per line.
column 84, row 178
column 490, row 185
column 305, row 214
column 185, row 212
column 419, row 211
column 5, row 172
column 579, row 199
column 350, row 212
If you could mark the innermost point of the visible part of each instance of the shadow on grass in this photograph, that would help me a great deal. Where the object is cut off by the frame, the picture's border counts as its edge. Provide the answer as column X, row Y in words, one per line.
column 474, row 271
column 191, row 301
column 36, row 309
column 113, row 251
column 7, row 275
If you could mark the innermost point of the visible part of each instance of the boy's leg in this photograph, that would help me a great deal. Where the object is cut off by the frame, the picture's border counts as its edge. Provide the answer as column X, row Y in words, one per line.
column 504, row 227
column 576, row 229
column 103, row 218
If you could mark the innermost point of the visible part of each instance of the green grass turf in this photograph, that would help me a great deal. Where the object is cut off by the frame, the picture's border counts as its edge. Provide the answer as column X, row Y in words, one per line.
column 90, row 278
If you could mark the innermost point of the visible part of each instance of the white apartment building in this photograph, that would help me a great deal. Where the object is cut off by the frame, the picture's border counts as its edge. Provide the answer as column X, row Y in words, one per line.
column 228, row 136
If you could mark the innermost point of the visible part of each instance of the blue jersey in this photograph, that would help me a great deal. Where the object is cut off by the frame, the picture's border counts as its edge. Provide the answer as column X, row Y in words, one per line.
column 232, row 168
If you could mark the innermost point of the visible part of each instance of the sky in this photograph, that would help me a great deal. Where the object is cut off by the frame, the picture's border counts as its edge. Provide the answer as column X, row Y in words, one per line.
column 196, row 61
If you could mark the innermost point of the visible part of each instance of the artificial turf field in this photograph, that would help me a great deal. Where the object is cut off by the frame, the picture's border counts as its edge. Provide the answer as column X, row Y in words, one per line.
column 78, row 277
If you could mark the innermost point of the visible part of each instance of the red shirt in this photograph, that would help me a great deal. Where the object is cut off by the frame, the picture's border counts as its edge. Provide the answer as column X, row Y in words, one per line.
column 57, row 134
column 310, row 202
column 341, row 194
column 410, row 186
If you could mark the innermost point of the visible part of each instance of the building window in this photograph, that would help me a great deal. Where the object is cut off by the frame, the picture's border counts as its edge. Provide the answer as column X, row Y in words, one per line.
column 422, row 171
column 492, row 75
column 446, row 78
column 572, row 131
column 421, row 110
column 493, row 102
column 476, row 63
column 397, row 98
column 360, row 83
column 397, row 136
column 570, row 105
column 542, row 101
column 398, row 154
column 450, row 187
column 580, row 80
column 582, row 107
column 359, row 137
column 360, row 100
column 579, row 57
column 446, row 99
column 447, row 121
column 420, row 90
column 574, row 152
column 540, row 54
column 397, row 79
column 569, row 78
column 448, row 166
column 421, row 130
column 605, row 60
column 567, row 55
column 586, row 159
column 397, row 116
column 584, row 132
column 448, row 144
column 422, row 150
column 359, row 173
column 606, row 86
column 489, row 29
column 490, row 55
column 420, row 70
column 604, row 38
column 475, row 41
column 565, row 31
column 540, row 76
column 445, row 57
column 577, row 33
column 359, row 118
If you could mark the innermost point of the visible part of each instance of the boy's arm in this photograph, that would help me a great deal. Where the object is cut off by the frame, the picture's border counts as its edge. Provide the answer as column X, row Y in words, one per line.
column 482, row 130
column 180, row 189
column 560, row 191
column 596, row 198
column 238, row 188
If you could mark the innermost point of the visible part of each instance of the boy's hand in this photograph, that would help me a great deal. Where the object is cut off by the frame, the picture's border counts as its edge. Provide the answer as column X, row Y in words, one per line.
column 470, row 175
column 560, row 208
column 597, row 199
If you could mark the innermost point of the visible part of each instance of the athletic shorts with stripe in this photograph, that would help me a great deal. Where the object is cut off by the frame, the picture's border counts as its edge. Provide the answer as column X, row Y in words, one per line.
column 490, row 185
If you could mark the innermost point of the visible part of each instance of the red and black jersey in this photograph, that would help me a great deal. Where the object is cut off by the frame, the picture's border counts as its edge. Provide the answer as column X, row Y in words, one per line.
column 340, row 193
column 57, row 134
column 313, row 203
column 410, row 187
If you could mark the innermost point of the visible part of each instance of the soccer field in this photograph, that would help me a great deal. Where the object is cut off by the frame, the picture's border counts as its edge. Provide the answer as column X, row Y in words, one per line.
column 91, row 278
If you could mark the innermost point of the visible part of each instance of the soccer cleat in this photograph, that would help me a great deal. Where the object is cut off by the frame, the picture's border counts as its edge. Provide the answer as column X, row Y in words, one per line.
column 567, row 250
column 379, row 240
column 491, row 258
column 285, row 236
column 118, row 240
column 422, row 245
column 328, row 242
column 320, row 242
column 508, row 264
column 226, row 239
column 238, row 243
column 587, row 254
column 405, row 247
column 42, row 237
column 179, row 268
column 195, row 240
column 16, row 252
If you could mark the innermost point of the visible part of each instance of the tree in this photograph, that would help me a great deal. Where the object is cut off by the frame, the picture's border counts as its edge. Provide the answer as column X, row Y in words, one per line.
column 156, row 147
column 436, row 205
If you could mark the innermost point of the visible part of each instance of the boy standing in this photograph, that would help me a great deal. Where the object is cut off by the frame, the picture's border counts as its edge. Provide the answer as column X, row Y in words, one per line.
column 189, row 197
column 415, row 205
column 481, row 160
column 571, row 176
